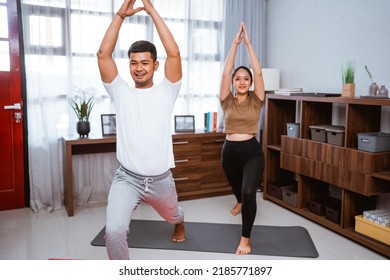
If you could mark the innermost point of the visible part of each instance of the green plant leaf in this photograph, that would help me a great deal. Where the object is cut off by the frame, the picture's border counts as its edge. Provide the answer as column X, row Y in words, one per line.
column 82, row 108
column 348, row 75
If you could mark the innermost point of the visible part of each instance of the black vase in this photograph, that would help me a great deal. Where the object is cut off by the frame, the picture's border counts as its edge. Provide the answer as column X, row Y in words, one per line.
column 83, row 128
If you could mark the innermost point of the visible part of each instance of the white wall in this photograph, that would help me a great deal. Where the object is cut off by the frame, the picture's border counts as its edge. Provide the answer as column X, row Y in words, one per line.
column 309, row 40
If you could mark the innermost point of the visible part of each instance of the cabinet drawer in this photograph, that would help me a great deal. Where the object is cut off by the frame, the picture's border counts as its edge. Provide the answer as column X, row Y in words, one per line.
column 185, row 185
column 186, row 179
column 187, row 171
column 187, row 167
column 211, row 147
column 187, row 146
column 213, row 176
column 186, row 160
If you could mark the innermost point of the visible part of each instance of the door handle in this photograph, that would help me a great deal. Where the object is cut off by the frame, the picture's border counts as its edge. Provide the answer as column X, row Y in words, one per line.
column 16, row 106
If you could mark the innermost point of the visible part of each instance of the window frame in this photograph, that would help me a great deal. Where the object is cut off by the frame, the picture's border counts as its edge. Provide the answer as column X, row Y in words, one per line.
column 36, row 10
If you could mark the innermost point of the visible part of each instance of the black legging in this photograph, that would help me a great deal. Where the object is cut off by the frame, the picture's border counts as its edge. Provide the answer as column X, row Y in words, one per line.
column 243, row 163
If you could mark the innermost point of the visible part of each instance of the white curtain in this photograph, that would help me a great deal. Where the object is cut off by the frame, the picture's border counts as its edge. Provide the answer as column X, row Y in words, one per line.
column 201, row 49
column 252, row 13
column 59, row 55
column 61, row 38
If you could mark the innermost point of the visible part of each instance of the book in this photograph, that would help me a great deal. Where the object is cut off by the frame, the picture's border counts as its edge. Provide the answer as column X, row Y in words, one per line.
column 210, row 121
column 215, row 122
column 288, row 91
column 205, row 121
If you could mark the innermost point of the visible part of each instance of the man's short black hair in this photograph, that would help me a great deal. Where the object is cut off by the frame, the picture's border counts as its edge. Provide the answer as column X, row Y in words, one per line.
column 143, row 46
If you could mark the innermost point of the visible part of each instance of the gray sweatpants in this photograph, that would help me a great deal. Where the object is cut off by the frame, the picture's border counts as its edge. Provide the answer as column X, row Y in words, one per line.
column 127, row 191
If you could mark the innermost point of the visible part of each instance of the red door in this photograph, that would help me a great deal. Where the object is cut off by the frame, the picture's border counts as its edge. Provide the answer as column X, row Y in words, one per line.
column 11, row 128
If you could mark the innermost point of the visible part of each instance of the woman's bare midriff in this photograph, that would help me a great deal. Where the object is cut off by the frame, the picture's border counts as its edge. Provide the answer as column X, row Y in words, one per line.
column 239, row 137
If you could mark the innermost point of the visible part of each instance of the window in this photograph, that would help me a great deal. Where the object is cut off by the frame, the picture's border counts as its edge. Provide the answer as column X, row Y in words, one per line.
column 74, row 29
column 4, row 41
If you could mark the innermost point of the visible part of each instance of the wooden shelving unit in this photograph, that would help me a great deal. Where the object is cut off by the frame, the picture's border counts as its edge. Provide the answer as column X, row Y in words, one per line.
column 358, row 176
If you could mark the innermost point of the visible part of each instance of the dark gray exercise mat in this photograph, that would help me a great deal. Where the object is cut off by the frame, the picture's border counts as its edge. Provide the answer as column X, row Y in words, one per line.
column 292, row 241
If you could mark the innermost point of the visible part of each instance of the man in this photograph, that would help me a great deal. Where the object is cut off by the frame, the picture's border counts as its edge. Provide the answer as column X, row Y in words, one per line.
column 144, row 140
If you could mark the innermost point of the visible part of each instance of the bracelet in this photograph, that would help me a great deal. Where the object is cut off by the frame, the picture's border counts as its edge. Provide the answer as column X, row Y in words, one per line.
column 120, row 15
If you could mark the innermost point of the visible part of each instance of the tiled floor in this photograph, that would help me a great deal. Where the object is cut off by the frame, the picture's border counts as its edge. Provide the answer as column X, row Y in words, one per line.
column 25, row 235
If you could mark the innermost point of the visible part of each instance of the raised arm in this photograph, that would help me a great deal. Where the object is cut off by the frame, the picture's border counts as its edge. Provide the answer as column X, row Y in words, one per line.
column 258, row 82
column 106, row 64
column 173, row 68
column 226, row 80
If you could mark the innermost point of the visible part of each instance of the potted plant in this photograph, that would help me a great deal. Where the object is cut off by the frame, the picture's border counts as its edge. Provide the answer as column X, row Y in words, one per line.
column 348, row 78
column 373, row 88
column 83, row 108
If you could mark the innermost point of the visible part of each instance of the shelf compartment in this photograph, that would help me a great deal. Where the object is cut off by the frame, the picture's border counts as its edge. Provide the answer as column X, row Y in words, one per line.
column 285, row 113
column 359, row 122
column 276, row 174
column 313, row 190
column 354, row 204
column 310, row 116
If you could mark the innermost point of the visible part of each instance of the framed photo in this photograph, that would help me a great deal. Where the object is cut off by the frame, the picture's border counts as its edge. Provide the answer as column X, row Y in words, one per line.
column 108, row 124
column 184, row 123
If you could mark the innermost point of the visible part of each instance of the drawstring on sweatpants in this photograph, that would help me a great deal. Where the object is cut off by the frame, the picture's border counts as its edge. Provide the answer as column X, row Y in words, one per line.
column 146, row 183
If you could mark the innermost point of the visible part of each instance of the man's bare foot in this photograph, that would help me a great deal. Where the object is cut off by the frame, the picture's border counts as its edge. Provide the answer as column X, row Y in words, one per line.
column 236, row 209
column 179, row 233
column 244, row 247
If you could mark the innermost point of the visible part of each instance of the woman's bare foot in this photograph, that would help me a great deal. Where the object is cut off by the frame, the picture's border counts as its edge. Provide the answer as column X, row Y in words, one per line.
column 244, row 247
column 236, row 209
column 179, row 233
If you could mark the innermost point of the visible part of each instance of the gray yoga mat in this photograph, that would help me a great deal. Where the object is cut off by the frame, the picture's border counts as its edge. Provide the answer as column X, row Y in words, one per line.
column 289, row 241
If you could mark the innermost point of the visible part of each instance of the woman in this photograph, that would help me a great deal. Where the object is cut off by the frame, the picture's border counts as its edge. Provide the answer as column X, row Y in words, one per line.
column 242, row 157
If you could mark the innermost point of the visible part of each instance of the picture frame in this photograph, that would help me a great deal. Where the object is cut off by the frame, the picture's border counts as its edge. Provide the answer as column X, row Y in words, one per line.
column 184, row 123
column 108, row 124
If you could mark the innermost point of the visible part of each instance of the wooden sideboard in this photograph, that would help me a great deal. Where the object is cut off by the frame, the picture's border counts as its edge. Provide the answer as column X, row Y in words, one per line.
column 198, row 172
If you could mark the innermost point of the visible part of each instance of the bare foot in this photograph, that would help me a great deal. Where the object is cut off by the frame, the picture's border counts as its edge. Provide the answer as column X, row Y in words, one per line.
column 236, row 209
column 244, row 247
column 179, row 233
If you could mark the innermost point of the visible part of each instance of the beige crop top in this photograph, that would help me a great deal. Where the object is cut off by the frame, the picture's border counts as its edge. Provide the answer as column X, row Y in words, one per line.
column 241, row 118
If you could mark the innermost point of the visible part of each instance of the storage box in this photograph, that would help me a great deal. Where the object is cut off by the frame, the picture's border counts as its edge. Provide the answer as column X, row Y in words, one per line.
column 293, row 130
column 374, row 142
column 332, row 210
column 372, row 229
column 289, row 194
column 275, row 188
column 335, row 135
column 317, row 207
column 318, row 132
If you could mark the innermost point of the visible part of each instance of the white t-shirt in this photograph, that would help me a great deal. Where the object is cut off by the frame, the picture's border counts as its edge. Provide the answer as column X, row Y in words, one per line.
column 143, row 119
